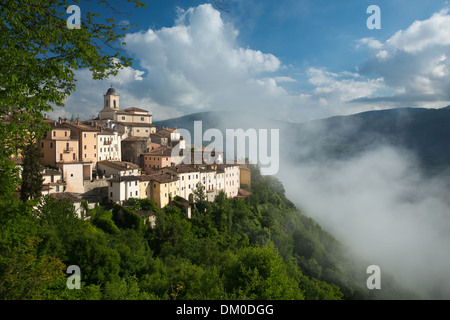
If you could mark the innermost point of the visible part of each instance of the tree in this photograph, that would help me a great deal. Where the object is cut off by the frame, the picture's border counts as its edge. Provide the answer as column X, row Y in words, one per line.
column 200, row 197
column 39, row 56
column 32, row 179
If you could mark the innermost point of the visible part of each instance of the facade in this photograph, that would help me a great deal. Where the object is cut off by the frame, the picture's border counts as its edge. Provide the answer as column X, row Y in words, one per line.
column 157, row 159
column 58, row 146
column 53, row 181
column 74, row 174
column 133, row 148
column 109, row 145
column 188, row 177
column 122, row 188
column 118, row 168
column 87, row 139
column 245, row 175
column 231, row 179
column 163, row 188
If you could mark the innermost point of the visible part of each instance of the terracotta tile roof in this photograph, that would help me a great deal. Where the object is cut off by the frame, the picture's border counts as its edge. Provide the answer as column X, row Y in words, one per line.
column 119, row 165
column 162, row 151
column 124, row 179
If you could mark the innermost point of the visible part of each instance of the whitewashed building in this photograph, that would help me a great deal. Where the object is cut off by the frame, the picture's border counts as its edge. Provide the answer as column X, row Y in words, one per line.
column 109, row 145
column 122, row 188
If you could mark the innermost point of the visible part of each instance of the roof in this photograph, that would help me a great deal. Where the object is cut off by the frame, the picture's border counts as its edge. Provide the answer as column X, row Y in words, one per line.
column 166, row 132
column 162, row 151
column 124, row 179
column 183, row 168
column 82, row 127
column 134, row 138
column 112, row 91
column 164, row 177
column 66, row 195
column 119, row 165
column 135, row 124
column 50, row 171
column 56, row 124
column 135, row 109
column 107, row 109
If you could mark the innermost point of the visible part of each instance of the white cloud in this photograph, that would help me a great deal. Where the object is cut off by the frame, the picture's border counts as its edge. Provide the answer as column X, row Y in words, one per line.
column 414, row 61
column 198, row 64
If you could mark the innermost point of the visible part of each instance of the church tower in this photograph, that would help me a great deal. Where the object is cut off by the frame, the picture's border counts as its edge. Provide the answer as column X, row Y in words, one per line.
column 111, row 99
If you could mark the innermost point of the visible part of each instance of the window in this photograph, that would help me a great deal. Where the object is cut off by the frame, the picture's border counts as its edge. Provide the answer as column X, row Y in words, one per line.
column 42, row 145
column 95, row 146
column 57, row 188
column 111, row 194
column 100, row 149
column 95, row 135
column 85, row 155
column 95, row 155
column 123, row 117
column 142, row 118
column 71, row 175
column 51, row 144
column 136, row 193
column 85, row 147
column 114, row 103
column 100, row 138
column 73, row 156
column 65, row 133
column 85, row 135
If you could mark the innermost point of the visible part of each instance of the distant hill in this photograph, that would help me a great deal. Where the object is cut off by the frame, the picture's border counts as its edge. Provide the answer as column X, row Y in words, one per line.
column 426, row 132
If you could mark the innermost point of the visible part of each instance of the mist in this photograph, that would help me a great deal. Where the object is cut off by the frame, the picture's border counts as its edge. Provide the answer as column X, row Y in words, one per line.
column 384, row 209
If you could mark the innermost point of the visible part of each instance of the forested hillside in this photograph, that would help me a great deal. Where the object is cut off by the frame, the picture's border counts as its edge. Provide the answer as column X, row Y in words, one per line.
column 260, row 247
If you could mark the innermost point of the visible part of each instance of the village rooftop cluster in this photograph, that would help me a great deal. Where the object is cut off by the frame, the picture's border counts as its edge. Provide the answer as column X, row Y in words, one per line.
column 121, row 154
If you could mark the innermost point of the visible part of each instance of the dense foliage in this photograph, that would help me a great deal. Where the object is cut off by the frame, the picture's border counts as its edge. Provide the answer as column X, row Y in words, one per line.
column 260, row 247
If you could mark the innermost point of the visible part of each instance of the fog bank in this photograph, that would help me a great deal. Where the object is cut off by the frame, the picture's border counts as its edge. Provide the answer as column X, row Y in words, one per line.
column 382, row 207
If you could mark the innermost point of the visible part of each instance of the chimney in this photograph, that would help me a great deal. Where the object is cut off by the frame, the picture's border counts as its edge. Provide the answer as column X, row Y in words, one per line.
column 59, row 119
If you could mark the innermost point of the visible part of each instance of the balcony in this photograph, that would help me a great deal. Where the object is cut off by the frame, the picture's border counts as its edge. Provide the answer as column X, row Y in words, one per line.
column 107, row 143
column 68, row 149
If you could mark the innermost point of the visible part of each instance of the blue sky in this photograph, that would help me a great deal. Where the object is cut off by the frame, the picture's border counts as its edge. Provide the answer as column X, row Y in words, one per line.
column 294, row 60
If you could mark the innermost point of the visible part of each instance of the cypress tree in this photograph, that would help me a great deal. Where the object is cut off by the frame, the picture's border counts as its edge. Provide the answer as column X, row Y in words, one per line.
column 32, row 179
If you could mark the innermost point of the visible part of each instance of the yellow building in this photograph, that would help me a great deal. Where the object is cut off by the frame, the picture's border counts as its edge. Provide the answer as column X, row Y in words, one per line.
column 245, row 175
column 162, row 187
column 144, row 184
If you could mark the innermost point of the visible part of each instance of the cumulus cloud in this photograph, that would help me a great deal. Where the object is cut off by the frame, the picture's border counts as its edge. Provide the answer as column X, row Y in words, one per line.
column 199, row 64
column 414, row 62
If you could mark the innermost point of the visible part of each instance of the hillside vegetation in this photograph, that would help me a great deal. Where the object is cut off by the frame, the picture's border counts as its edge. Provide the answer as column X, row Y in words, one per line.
column 260, row 247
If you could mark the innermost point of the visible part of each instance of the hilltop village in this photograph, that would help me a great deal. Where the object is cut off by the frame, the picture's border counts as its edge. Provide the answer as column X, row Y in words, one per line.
column 121, row 154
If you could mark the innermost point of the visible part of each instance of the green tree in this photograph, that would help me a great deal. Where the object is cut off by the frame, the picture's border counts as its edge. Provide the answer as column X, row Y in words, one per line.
column 39, row 56
column 32, row 178
column 25, row 275
column 200, row 197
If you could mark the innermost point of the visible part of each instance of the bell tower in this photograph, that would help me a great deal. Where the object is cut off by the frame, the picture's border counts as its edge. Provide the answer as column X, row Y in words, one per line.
column 111, row 99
